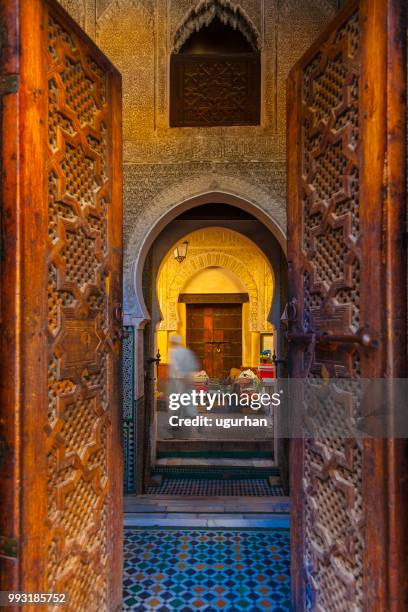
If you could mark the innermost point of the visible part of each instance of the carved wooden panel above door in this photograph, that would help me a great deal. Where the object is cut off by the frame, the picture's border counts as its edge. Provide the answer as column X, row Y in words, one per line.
column 67, row 254
column 215, row 90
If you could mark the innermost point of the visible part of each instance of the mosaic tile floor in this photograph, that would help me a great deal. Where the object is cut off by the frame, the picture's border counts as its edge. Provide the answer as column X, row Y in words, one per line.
column 256, row 487
column 186, row 570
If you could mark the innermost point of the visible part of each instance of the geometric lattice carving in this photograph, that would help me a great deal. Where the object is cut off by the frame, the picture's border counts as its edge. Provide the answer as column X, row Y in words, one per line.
column 56, row 299
column 79, row 342
column 56, row 35
column 56, row 119
column 330, row 183
column 56, row 208
column 330, row 168
column 79, row 172
column 79, row 255
column 80, row 94
column 334, row 517
column 334, row 526
column 215, row 91
column 329, row 256
column 129, row 409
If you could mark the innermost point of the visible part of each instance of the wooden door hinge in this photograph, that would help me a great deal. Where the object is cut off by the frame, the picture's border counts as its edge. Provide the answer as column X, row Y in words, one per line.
column 8, row 547
column 4, row 447
column 9, row 84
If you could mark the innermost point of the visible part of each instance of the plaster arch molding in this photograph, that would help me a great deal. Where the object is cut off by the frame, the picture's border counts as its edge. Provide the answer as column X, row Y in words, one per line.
column 207, row 260
column 267, row 207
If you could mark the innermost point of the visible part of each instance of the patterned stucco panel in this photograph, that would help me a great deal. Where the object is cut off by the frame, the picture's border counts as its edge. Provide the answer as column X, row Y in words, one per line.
column 153, row 189
column 135, row 35
column 76, row 8
column 125, row 32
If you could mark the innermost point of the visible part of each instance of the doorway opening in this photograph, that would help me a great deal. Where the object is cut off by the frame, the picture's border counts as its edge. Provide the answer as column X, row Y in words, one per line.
column 224, row 300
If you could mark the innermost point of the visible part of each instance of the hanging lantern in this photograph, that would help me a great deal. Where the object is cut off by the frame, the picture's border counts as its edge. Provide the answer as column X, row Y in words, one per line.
column 180, row 252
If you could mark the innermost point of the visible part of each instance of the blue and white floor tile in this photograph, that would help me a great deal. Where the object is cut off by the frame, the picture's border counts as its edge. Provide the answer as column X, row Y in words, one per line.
column 188, row 570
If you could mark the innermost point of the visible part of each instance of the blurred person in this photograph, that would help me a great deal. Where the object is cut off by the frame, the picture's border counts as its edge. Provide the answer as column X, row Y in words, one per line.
column 183, row 366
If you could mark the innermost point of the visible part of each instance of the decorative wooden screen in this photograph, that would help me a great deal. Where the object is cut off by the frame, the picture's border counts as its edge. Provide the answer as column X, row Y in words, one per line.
column 210, row 90
column 69, row 240
column 337, row 220
column 331, row 294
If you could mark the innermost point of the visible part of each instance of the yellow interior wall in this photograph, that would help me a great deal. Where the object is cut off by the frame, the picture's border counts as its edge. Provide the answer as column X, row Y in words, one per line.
column 182, row 321
column 214, row 280
column 163, row 335
column 162, row 344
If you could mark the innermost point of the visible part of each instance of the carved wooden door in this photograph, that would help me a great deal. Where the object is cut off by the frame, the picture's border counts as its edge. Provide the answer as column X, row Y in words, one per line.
column 346, row 218
column 61, row 469
column 214, row 334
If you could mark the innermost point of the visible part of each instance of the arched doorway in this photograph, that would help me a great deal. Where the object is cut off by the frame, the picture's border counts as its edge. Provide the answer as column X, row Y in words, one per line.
column 220, row 301
column 224, row 239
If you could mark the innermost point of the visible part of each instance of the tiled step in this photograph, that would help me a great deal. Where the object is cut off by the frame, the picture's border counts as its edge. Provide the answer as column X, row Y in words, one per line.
column 239, row 449
column 238, row 486
column 211, row 520
column 147, row 504
column 215, row 468
column 217, row 462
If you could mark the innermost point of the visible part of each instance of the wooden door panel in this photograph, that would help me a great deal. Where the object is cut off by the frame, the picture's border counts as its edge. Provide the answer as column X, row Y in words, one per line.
column 66, row 248
column 207, row 323
column 234, row 336
column 195, row 335
column 230, row 322
column 344, row 283
column 217, row 334
column 196, row 322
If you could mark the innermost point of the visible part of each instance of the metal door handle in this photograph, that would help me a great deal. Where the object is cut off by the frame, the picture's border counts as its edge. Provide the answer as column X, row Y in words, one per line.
column 118, row 312
column 121, row 334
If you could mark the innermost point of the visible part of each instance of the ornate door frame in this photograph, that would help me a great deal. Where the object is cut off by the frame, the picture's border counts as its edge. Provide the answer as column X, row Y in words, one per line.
column 347, row 209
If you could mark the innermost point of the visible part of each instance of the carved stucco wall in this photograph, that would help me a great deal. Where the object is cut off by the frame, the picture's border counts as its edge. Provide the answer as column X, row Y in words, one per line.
column 164, row 166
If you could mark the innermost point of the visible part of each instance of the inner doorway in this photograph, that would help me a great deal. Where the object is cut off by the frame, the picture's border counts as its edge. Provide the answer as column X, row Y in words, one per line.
column 224, row 300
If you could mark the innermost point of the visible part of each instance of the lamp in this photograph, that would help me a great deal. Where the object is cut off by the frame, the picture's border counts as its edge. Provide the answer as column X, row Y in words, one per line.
column 180, row 252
